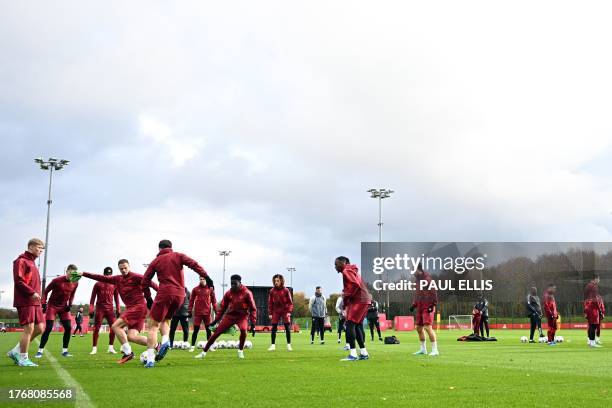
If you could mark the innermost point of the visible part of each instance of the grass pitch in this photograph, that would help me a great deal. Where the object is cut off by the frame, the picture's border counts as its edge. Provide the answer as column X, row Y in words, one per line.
column 506, row 373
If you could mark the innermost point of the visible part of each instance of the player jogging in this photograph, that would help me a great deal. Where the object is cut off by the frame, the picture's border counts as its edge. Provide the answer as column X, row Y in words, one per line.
column 26, row 298
column 168, row 265
column 202, row 303
column 237, row 308
column 594, row 311
column 356, row 300
column 129, row 286
column 62, row 294
column 425, row 301
column 280, row 307
column 103, row 294
column 550, row 310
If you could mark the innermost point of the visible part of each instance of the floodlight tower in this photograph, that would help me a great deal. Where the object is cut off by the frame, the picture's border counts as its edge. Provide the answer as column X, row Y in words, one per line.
column 50, row 165
column 381, row 194
column 291, row 269
column 224, row 254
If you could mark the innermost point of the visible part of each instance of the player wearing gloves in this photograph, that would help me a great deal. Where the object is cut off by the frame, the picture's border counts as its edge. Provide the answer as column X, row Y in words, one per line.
column 103, row 294
column 550, row 310
column 129, row 286
column 425, row 301
column 237, row 308
column 168, row 265
column 356, row 300
column 202, row 303
column 280, row 307
column 62, row 294
column 594, row 311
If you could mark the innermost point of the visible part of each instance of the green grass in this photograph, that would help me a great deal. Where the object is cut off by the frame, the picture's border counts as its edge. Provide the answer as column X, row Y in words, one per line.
column 505, row 373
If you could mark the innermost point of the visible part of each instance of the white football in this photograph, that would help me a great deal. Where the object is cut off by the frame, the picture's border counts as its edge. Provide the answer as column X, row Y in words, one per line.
column 176, row 345
column 185, row 345
column 524, row 339
column 143, row 357
column 248, row 344
column 201, row 344
column 543, row 340
column 559, row 339
column 231, row 344
column 222, row 344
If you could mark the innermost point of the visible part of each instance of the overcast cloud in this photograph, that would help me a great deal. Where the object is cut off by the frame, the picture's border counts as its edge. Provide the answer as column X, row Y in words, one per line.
column 258, row 127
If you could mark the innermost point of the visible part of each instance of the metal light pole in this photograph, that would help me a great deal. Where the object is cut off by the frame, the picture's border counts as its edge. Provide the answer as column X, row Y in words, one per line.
column 224, row 254
column 291, row 269
column 1, row 292
column 50, row 165
column 380, row 194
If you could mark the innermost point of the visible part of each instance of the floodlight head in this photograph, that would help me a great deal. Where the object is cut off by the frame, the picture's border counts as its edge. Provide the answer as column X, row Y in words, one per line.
column 38, row 160
column 52, row 160
column 64, row 162
column 44, row 166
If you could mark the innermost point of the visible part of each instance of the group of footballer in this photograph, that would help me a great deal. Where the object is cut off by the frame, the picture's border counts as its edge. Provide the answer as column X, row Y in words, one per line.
column 37, row 314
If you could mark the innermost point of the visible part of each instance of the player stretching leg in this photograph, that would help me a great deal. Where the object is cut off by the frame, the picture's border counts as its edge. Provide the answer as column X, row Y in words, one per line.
column 169, row 268
column 62, row 294
column 356, row 300
column 280, row 306
column 425, row 302
column 104, row 293
column 550, row 310
column 136, row 301
column 26, row 298
column 201, row 305
column 237, row 308
column 593, row 310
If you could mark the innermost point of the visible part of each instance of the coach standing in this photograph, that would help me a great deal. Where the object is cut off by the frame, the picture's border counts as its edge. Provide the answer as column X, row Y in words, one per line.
column 317, row 306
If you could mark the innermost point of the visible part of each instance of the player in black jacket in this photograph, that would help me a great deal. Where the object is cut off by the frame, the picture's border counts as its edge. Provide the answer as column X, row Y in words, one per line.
column 182, row 316
column 373, row 319
column 78, row 319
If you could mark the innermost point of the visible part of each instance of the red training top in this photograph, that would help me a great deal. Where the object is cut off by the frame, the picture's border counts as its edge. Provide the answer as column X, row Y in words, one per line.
column 169, row 268
column 591, row 291
column 239, row 304
column 279, row 300
column 104, row 292
column 128, row 286
column 424, row 297
column 550, row 305
column 62, row 292
column 355, row 290
column 204, row 300
column 27, row 280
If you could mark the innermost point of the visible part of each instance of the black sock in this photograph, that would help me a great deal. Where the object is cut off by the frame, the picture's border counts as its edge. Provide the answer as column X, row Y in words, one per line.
column 194, row 335
column 208, row 332
column 274, row 330
column 360, row 335
column 66, row 339
column 288, row 332
column 350, row 334
column 45, row 336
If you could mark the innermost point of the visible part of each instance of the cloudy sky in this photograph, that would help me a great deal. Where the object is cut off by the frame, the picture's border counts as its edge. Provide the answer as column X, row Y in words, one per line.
column 258, row 127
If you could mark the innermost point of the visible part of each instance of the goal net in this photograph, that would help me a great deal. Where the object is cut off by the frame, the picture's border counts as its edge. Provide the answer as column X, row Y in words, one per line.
column 463, row 322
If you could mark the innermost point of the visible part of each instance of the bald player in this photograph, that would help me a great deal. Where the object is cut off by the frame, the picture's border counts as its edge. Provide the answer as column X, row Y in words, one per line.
column 62, row 294
column 102, row 295
column 168, row 265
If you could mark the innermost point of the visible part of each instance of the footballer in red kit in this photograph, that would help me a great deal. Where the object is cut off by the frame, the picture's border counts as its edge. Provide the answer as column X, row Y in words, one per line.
column 280, row 308
column 136, row 301
column 357, row 300
column 425, row 302
column 168, row 265
column 594, row 311
column 27, row 299
column 102, row 295
column 552, row 315
column 202, row 305
column 59, row 304
column 237, row 308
